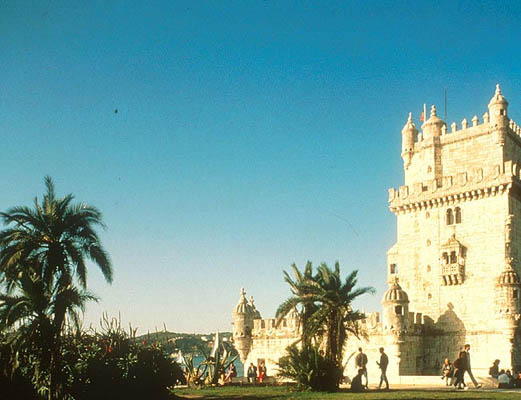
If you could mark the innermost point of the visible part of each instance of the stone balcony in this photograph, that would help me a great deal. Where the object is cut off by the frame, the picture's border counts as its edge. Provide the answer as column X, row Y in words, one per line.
column 452, row 274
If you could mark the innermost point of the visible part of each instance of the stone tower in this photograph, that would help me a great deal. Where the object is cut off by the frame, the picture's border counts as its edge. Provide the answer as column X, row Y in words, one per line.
column 395, row 304
column 459, row 233
column 243, row 315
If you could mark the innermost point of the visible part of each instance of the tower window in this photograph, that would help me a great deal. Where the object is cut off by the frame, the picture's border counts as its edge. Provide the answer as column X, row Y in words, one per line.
column 429, row 296
column 398, row 310
column 450, row 217
column 445, row 257
column 515, row 294
column 453, row 257
column 428, row 268
column 457, row 212
column 502, row 112
column 393, row 269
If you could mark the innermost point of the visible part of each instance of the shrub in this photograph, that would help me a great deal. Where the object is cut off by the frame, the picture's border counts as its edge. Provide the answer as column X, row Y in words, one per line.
column 309, row 369
column 106, row 365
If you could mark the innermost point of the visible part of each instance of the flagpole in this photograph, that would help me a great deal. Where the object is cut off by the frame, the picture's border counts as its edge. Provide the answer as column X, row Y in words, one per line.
column 445, row 104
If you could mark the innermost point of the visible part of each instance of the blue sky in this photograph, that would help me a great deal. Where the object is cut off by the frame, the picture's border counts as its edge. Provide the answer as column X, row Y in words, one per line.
column 249, row 134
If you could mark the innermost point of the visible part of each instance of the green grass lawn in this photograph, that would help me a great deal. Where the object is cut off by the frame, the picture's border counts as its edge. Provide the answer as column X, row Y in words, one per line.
column 281, row 392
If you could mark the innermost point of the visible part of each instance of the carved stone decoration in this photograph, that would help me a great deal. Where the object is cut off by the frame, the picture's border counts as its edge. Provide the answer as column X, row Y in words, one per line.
column 478, row 175
column 508, row 229
column 452, row 257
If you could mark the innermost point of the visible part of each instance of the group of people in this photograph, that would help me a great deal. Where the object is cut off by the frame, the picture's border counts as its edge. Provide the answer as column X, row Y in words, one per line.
column 257, row 374
column 454, row 373
column 505, row 379
column 361, row 361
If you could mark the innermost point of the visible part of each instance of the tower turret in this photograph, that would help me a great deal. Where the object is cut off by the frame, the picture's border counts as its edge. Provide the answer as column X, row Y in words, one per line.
column 508, row 294
column 433, row 126
column 395, row 309
column 498, row 114
column 507, row 312
column 409, row 134
column 243, row 315
column 498, row 108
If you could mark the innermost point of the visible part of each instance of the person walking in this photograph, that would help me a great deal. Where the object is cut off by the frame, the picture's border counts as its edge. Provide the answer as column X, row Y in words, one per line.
column 361, row 363
column 384, row 362
column 460, row 366
column 468, row 368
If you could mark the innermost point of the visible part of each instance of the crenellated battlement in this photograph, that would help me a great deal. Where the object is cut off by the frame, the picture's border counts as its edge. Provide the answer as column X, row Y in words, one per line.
column 514, row 128
column 477, row 183
column 287, row 327
column 466, row 130
column 416, row 323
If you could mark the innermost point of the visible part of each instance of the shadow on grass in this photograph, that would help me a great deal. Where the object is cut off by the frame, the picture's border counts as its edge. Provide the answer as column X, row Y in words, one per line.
column 284, row 393
column 231, row 397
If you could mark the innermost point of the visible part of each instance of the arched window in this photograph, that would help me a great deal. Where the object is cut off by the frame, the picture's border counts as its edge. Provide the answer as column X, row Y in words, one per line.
column 457, row 212
column 393, row 269
column 453, row 257
column 450, row 217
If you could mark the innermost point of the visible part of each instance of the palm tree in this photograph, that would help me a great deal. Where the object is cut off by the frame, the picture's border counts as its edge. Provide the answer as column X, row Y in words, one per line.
column 299, row 289
column 43, row 259
column 334, row 313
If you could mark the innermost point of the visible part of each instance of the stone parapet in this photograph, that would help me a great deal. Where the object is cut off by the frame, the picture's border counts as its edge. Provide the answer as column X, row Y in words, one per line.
column 268, row 328
column 466, row 131
column 472, row 185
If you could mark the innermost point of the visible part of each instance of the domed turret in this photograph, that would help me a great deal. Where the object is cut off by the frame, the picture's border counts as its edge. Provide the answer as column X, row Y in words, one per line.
column 509, row 278
column 243, row 315
column 242, row 306
column 395, row 308
column 433, row 126
column 396, row 294
column 498, row 111
column 409, row 134
column 509, row 288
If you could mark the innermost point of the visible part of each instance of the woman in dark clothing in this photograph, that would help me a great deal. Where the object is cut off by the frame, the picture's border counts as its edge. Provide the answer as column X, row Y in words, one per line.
column 460, row 366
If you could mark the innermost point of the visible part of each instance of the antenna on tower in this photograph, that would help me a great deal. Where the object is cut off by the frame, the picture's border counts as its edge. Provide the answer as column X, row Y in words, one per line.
column 445, row 104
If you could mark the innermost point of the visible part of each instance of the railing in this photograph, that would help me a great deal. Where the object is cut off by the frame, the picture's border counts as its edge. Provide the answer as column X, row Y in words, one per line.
column 452, row 274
